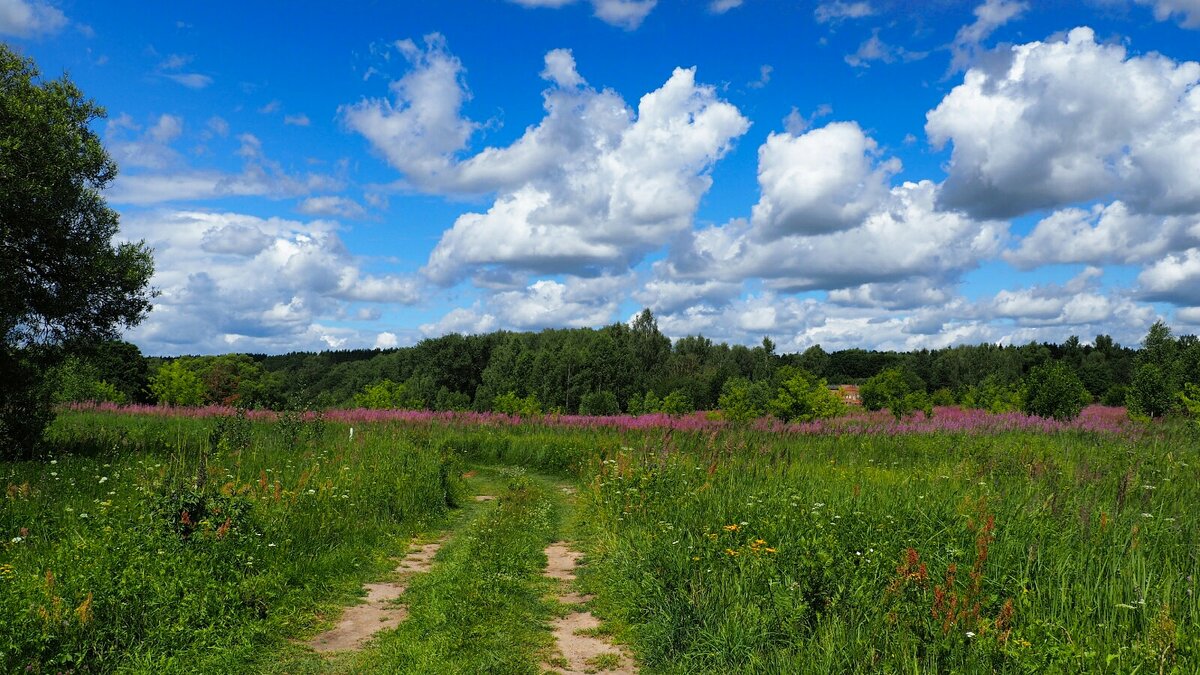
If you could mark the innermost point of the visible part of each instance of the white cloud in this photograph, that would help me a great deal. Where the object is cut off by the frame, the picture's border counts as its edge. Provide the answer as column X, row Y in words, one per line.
column 905, row 245
column 1175, row 278
column 171, row 68
column 30, row 18
column 149, row 149
column 461, row 320
column 259, row 177
column 1186, row 12
column 722, row 6
column 989, row 16
column 300, row 120
column 1104, row 234
column 875, row 49
column 764, row 77
column 386, row 340
column 233, row 279
column 592, row 186
column 332, row 206
column 1049, row 124
column 627, row 14
column 838, row 10
column 822, row 181
column 420, row 131
column 575, row 303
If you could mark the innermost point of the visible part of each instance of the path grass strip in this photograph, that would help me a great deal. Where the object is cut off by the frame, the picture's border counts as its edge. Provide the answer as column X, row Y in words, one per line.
column 482, row 609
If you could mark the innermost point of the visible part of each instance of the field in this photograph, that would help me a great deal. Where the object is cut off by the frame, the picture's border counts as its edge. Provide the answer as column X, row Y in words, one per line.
column 200, row 541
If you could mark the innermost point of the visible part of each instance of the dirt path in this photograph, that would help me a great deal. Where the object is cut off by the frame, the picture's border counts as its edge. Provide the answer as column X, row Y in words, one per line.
column 580, row 651
column 380, row 610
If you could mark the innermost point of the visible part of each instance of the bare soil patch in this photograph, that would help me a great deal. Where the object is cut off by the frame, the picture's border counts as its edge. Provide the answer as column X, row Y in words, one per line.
column 379, row 610
column 579, row 648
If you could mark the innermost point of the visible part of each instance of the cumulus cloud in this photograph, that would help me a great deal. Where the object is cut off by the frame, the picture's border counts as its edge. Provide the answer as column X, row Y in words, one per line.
column 1079, row 302
column 1185, row 12
column 1175, row 278
column 30, row 18
column 1103, row 234
column 822, row 181
column 1050, row 124
column 904, row 239
column 722, row 6
column 419, row 131
column 236, row 281
column 593, row 186
column 989, row 16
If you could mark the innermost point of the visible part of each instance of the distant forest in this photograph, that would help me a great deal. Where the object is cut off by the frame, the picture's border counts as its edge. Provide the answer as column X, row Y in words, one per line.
column 618, row 368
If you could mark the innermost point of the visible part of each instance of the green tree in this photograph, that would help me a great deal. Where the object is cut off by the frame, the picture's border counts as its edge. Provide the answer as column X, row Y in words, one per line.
column 677, row 403
column 744, row 401
column 599, row 403
column 176, row 384
column 75, row 380
column 800, row 397
column 387, row 395
column 899, row 392
column 1053, row 390
column 1150, row 394
column 62, row 280
column 1154, row 391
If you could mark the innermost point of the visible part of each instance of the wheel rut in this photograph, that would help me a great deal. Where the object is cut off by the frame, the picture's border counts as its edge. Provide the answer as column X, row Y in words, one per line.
column 379, row 611
column 578, row 647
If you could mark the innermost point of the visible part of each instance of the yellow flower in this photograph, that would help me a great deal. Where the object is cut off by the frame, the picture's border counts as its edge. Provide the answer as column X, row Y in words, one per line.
column 732, row 528
column 730, row 552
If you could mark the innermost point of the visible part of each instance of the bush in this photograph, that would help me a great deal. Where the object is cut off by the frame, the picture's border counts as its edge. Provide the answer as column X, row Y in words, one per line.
column 1053, row 390
column 176, row 384
column 512, row 404
column 677, row 403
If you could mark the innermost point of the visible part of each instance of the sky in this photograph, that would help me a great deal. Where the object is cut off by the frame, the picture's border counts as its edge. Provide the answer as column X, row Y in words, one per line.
column 885, row 174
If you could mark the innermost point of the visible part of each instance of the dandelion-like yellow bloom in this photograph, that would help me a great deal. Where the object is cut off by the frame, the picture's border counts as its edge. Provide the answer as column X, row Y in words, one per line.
column 730, row 552
column 732, row 528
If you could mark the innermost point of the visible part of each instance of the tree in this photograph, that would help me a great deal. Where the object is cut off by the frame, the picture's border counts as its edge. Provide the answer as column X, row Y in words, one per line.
column 62, row 280
column 1053, row 390
column 800, row 397
column 1156, row 380
column 175, row 384
column 744, row 401
column 897, row 391
column 599, row 403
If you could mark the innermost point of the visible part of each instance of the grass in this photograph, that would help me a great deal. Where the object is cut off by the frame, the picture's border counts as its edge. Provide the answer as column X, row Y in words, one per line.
column 122, row 554
column 710, row 550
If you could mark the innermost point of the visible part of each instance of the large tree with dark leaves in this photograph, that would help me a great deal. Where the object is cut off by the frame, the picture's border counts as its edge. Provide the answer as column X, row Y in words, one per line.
column 63, row 281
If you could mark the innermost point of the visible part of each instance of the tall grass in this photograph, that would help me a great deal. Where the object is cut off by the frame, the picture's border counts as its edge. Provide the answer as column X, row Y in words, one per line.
column 172, row 545
column 982, row 548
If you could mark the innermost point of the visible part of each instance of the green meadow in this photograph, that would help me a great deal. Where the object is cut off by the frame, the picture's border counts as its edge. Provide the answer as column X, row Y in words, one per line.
column 183, row 544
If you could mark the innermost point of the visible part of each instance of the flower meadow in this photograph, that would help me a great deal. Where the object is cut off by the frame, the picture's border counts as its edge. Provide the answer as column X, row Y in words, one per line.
column 202, row 540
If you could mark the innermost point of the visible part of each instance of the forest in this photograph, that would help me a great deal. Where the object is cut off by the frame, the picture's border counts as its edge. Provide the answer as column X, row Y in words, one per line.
column 627, row 368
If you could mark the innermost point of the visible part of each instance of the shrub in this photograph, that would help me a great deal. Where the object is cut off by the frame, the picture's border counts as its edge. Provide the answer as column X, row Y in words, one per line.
column 1150, row 393
column 1053, row 390
column 801, row 397
column 742, row 400
column 176, row 384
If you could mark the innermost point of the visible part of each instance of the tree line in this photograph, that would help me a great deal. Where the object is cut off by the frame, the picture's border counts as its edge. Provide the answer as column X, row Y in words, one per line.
column 634, row 368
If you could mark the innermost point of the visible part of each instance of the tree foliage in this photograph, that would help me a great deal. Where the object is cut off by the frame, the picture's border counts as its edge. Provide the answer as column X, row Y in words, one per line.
column 62, row 279
column 801, row 397
column 1053, row 390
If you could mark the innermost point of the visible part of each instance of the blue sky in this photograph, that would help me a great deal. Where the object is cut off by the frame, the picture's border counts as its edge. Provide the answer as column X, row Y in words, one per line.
column 853, row 173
